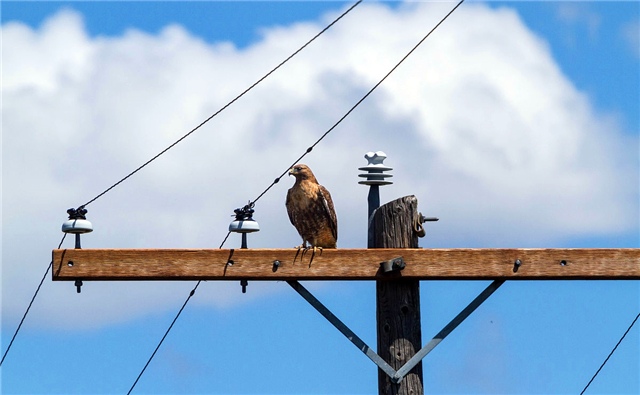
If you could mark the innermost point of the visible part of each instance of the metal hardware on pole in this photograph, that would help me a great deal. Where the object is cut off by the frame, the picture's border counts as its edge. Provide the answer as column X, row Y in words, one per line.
column 339, row 325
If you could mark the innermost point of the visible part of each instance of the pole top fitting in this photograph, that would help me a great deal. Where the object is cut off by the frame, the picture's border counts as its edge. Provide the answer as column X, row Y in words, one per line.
column 375, row 169
column 244, row 222
column 77, row 222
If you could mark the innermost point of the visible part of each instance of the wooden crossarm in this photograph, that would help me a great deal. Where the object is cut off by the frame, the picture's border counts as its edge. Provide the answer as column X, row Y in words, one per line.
column 346, row 264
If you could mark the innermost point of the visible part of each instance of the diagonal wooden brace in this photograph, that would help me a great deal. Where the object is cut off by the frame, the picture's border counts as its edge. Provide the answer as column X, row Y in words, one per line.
column 398, row 375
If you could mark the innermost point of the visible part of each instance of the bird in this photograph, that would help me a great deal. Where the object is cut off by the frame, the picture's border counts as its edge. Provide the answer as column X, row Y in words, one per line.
column 311, row 211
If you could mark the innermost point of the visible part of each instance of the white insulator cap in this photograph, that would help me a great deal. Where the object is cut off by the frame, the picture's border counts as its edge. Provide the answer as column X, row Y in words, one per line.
column 375, row 169
column 244, row 226
column 77, row 226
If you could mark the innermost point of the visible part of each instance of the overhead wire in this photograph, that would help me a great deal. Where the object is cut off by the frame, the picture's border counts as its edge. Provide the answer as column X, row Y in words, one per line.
column 252, row 203
column 30, row 303
column 182, row 138
column 610, row 354
column 193, row 291
column 223, row 108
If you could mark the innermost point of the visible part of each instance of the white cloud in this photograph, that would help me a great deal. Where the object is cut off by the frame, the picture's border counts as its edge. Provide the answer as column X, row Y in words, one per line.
column 480, row 124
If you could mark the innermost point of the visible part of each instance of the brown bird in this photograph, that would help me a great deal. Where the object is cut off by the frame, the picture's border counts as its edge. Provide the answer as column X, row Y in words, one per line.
column 311, row 211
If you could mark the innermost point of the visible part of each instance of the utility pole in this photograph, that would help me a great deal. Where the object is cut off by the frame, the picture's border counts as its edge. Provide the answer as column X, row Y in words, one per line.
column 392, row 259
column 398, row 301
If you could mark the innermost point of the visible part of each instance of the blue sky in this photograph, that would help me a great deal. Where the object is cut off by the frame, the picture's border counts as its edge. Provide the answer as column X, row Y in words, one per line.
column 105, row 116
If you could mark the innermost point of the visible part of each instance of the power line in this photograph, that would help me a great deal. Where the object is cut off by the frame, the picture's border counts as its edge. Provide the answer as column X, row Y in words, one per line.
column 30, row 303
column 610, row 354
column 221, row 109
column 251, row 204
column 182, row 138
column 193, row 291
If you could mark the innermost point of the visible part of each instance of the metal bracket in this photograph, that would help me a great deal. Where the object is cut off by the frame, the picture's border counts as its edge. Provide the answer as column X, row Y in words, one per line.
column 393, row 265
column 396, row 376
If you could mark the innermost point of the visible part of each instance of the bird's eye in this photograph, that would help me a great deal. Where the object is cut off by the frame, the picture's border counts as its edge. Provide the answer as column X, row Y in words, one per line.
column 298, row 168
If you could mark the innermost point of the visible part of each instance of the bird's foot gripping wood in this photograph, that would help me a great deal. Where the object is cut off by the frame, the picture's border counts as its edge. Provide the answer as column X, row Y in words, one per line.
column 312, row 254
column 302, row 247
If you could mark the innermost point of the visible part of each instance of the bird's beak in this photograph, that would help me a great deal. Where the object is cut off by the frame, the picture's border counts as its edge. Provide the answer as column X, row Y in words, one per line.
column 291, row 171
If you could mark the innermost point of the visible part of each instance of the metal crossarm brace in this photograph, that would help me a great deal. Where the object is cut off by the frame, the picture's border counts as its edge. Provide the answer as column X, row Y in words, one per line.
column 396, row 376
column 446, row 330
column 362, row 346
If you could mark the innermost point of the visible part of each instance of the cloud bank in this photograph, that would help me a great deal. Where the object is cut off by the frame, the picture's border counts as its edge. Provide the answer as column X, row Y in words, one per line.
column 479, row 123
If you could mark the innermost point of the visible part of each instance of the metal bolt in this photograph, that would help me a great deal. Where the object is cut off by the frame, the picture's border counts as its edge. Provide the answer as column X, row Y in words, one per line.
column 516, row 265
column 424, row 219
column 244, row 284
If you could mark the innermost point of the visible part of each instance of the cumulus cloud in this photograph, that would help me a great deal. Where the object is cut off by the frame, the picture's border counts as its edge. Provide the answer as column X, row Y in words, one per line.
column 480, row 124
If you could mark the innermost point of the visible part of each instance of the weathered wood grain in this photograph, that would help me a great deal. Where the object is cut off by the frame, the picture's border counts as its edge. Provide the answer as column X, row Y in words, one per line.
column 346, row 264
column 398, row 301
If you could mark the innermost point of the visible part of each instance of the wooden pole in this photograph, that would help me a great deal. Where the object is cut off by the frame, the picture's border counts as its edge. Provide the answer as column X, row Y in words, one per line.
column 398, row 301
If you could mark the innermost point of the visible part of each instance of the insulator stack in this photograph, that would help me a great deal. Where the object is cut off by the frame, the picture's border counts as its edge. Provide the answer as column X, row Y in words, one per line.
column 375, row 170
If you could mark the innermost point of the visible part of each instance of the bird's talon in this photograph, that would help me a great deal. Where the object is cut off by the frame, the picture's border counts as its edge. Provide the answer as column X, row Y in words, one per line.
column 298, row 252
column 313, row 254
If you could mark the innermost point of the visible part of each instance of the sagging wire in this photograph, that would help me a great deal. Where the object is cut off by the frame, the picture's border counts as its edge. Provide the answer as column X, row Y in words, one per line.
column 185, row 136
column 252, row 204
column 30, row 303
column 221, row 109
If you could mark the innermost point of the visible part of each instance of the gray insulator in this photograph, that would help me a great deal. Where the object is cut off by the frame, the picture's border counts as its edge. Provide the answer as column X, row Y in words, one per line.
column 77, row 226
column 244, row 226
column 375, row 169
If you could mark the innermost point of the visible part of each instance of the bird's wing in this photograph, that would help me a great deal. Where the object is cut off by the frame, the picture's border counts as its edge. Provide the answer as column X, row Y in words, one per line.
column 325, row 198
column 291, row 210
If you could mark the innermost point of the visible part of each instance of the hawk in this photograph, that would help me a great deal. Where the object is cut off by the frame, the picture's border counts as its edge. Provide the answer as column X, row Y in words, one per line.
column 310, row 210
